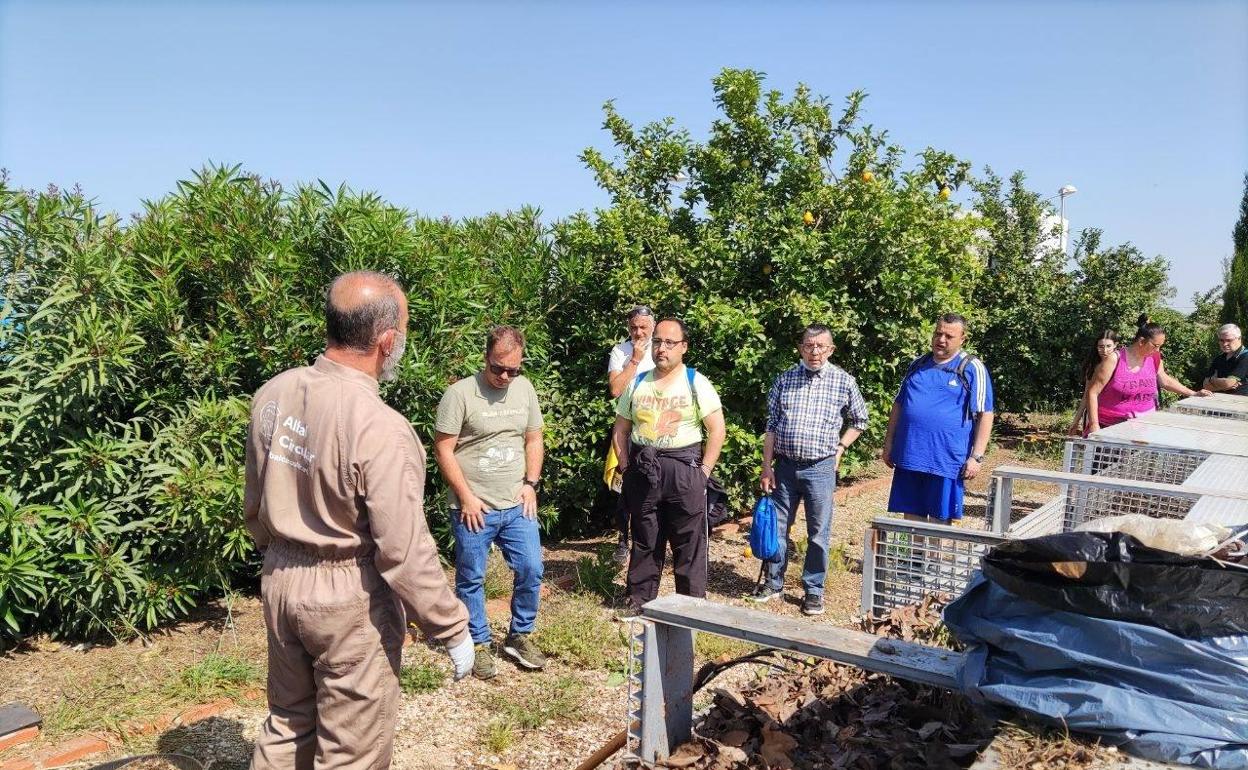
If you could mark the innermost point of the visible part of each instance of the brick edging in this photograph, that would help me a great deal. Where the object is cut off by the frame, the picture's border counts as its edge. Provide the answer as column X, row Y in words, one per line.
column 864, row 487
column 83, row 746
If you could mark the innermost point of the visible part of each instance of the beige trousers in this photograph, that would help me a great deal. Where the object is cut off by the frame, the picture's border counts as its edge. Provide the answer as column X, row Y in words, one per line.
column 335, row 636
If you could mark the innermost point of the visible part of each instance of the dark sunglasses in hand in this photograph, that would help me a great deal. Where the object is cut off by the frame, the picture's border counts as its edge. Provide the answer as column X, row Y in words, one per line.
column 499, row 371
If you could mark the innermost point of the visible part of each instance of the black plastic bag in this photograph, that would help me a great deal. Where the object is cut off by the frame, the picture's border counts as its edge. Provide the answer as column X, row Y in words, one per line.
column 1113, row 575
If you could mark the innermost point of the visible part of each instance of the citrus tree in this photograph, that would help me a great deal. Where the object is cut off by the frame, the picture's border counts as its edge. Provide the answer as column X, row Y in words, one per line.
column 790, row 212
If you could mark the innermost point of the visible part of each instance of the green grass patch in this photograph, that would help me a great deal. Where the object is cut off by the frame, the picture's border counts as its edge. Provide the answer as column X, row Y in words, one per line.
column 799, row 550
column 550, row 699
column 715, row 647
column 553, row 698
column 596, row 575
column 498, row 576
column 498, row 735
column 575, row 629
column 839, row 558
column 416, row 678
column 215, row 676
column 115, row 695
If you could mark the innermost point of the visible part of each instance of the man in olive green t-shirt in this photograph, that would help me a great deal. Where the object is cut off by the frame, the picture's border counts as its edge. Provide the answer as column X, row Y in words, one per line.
column 488, row 443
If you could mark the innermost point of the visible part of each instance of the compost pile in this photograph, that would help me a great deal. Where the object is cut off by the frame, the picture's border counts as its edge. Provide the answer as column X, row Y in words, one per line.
column 824, row 715
column 914, row 623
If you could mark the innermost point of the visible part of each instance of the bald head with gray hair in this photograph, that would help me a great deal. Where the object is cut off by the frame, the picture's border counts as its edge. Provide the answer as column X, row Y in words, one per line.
column 359, row 307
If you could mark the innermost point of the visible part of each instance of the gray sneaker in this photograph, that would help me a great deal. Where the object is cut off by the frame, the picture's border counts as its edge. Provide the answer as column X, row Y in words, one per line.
column 812, row 605
column 620, row 556
column 483, row 664
column 627, row 611
column 764, row 594
column 520, row 648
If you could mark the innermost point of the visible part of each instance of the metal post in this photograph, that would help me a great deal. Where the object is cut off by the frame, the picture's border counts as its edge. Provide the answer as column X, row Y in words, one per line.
column 1062, row 221
column 1001, row 503
column 666, row 690
column 868, row 570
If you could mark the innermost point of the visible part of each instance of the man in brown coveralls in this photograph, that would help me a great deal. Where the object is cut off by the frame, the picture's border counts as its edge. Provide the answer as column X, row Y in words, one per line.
column 335, row 497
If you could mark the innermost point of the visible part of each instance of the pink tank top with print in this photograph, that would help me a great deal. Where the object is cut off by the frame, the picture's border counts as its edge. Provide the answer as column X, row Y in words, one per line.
column 1128, row 394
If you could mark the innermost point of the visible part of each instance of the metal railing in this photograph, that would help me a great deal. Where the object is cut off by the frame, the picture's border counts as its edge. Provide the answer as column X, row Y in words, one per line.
column 1127, row 461
column 1213, row 407
column 904, row 560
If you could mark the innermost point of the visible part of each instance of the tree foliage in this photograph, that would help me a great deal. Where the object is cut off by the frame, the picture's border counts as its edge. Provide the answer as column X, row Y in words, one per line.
column 1235, row 296
column 1041, row 312
column 778, row 225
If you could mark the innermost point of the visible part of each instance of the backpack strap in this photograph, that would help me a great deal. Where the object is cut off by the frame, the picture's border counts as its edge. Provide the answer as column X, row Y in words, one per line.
column 916, row 365
column 960, row 371
column 632, row 391
column 690, row 372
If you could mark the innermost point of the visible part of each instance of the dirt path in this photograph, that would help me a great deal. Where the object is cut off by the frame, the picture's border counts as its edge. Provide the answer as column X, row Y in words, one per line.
column 518, row 721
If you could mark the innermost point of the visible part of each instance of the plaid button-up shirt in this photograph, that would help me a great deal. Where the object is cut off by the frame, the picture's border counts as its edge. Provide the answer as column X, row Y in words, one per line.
column 805, row 411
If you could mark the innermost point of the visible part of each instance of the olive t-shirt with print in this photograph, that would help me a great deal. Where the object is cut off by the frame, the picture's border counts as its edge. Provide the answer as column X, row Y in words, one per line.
column 666, row 418
column 491, row 423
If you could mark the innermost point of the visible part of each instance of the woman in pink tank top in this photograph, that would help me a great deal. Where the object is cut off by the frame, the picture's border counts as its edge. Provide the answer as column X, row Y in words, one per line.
column 1126, row 383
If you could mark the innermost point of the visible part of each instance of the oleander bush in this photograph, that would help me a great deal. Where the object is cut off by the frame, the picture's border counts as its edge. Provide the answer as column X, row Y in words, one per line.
column 129, row 351
column 128, row 355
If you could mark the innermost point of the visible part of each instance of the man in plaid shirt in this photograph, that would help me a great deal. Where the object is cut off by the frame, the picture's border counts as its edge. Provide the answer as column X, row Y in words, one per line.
column 802, row 450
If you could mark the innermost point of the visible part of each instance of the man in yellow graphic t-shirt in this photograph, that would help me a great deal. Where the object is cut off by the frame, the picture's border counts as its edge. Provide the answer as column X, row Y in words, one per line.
column 658, row 437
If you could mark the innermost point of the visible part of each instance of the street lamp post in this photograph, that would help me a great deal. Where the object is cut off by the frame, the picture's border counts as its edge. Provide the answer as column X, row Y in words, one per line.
column 1069, row 189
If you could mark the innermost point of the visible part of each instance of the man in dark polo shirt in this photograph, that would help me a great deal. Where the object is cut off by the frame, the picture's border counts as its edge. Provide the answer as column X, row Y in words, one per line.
column 1228, row 372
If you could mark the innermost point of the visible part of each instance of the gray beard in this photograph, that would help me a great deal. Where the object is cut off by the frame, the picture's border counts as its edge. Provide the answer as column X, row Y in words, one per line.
column 390, row 366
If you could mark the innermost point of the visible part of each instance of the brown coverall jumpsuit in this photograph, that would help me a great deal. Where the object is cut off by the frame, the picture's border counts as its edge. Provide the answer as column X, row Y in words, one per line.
column 335, row 497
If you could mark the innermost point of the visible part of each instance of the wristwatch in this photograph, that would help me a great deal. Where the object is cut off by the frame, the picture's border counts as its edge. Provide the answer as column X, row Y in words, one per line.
column 977, row 458
column 535, row 483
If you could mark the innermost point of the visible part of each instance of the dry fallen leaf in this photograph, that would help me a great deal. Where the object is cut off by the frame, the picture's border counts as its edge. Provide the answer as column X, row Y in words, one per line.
column 776, row 747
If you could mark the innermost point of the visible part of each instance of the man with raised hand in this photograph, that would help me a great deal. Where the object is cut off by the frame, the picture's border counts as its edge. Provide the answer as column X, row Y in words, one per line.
column 802, row 451
column 659, row 424
column 1228, row 371
column 488, row 442
column 335, row 484
column 939, row 427
column 628, row 359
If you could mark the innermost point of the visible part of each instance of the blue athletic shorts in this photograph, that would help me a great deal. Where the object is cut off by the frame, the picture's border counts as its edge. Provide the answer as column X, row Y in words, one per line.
column 925, row 494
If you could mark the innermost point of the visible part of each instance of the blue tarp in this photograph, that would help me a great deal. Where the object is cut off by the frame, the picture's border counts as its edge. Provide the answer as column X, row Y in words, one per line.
column 1155, row 694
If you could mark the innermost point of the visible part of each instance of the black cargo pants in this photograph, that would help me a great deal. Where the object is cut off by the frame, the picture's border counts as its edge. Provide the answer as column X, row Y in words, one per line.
column 665, row 494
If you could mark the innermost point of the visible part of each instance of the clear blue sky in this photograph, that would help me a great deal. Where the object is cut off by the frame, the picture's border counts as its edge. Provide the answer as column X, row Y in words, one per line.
column 462, row 108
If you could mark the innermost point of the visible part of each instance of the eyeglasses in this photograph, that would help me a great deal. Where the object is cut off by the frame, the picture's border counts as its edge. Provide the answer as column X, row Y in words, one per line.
column 663, row 344
column 499, row 371
column 812, row 348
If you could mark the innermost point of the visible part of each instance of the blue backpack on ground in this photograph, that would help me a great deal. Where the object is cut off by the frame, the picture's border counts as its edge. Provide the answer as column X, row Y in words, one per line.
column 765, row 532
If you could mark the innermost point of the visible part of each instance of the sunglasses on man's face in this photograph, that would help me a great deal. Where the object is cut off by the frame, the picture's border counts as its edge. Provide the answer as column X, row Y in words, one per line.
column 499, row 371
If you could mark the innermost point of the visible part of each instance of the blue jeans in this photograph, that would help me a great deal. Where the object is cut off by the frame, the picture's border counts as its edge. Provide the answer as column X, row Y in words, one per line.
column 812, row 484
column 517, row 538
